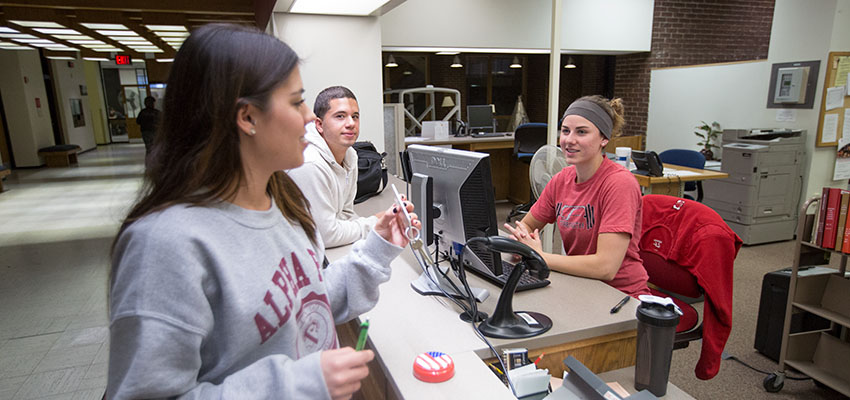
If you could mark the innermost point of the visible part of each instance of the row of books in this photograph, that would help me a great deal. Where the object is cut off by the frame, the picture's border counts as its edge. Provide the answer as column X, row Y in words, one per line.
column 833, row 227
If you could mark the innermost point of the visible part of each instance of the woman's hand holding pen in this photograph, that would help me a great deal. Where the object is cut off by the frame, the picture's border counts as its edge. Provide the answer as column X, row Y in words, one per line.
column 391, row 225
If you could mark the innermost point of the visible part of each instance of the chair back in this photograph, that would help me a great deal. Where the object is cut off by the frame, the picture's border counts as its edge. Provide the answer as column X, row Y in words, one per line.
column 528, row 138
column 685, row 158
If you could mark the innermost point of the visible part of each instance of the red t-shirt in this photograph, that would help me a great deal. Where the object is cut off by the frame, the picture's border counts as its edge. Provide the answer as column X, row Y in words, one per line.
column 609, row 202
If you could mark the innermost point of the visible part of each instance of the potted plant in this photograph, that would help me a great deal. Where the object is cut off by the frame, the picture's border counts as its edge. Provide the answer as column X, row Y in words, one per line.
column 708, row 134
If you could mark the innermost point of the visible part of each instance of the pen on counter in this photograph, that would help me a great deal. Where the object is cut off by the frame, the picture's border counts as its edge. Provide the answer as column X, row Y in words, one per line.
column 620, row 304
column 364, row 333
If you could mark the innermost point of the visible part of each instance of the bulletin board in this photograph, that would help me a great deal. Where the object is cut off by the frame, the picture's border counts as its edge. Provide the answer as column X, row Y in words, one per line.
column 831, row 122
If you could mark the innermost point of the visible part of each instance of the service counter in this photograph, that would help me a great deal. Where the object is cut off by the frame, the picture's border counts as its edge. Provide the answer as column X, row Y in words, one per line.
column 404, row 324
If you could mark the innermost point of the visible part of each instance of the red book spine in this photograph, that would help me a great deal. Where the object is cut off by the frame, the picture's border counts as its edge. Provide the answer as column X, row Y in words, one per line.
column 829, row 225
column 821, row 216
column 845, row 247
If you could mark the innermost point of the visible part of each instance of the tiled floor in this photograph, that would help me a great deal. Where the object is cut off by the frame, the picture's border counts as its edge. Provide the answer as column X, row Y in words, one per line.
column 56, row 230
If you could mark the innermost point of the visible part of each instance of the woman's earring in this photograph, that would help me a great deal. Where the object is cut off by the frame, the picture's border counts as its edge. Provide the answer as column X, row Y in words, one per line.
column 252, row 132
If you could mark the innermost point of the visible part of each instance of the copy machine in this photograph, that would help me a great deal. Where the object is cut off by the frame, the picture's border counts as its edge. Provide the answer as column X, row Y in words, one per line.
column 759, row 199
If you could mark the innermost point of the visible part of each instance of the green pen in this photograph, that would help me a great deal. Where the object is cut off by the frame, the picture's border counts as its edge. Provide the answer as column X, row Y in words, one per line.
column 364, row 333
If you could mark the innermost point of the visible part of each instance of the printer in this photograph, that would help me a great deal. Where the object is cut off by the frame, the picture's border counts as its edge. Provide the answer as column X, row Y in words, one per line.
column 759, row 199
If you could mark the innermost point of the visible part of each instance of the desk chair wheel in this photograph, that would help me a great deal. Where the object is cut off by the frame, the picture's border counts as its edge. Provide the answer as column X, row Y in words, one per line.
column 773, row 382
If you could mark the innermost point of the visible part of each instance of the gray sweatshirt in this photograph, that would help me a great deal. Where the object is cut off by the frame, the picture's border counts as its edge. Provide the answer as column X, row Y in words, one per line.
column 224, row 302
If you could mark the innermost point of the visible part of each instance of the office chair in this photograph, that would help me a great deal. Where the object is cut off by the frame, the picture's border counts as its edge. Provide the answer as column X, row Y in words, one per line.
column 686, row 158
column 528, row 138
column 688, row 251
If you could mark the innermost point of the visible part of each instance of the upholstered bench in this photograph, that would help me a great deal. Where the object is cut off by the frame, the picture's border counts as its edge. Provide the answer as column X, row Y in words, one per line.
column 62, row 155
column 3, row 172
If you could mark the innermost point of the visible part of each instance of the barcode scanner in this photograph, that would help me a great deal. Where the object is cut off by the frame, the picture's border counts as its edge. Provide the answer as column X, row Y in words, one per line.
column 505, row 323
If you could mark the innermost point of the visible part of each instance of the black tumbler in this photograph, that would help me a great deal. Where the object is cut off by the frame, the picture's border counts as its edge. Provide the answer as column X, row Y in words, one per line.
column 655, row 333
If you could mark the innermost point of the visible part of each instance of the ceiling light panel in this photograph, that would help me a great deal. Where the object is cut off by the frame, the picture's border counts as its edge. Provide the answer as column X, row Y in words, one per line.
column 72, row 37
column 62, row 48
column 96, row 59
column 56, row 31
column 336, row 7
column 173, row 28
column 13, row 47
column 99, row 46
column 108, row 50
column 51, row 44
column 90, row 41
column 104, row 26
column 17, row 36
column 107, row 32
column 37, row 24
column 36, row 40
column 172, row 34
column 4, row 29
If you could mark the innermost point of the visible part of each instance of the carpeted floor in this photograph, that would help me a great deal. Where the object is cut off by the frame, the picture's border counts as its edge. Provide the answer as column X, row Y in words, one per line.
column 735, row 381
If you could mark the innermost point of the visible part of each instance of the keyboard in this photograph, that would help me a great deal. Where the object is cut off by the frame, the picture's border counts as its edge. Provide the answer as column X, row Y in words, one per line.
column 487, row 134
column 526, row 280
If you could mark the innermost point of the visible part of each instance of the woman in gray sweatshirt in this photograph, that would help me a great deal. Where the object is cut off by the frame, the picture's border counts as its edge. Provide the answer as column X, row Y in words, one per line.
column 217, row 286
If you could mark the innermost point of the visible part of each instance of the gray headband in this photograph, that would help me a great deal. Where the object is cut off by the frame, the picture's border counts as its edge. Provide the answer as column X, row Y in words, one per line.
column 593, row 113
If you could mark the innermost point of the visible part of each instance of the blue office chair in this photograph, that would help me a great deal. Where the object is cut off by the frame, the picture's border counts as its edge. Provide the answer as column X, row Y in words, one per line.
column 690, row 159
column 528, row 138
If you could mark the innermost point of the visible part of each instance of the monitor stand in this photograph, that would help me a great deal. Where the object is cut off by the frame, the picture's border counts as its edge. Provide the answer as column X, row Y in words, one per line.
column 424, row 286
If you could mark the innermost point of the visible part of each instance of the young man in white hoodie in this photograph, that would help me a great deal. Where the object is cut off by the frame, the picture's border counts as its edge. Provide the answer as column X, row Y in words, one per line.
column 328, row 177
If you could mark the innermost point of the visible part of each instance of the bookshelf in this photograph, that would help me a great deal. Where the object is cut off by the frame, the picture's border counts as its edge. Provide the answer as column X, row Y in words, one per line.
column 818, row 354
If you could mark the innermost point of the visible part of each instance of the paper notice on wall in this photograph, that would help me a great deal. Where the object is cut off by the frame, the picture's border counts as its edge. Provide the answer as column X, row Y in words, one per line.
column 786, row 115
column 845, row 129
column 842, row 69
column 830, row 128
column 842, row 160
column 834, row 97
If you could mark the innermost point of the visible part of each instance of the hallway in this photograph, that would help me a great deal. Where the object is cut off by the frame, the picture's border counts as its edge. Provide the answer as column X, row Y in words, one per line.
column 57, row 227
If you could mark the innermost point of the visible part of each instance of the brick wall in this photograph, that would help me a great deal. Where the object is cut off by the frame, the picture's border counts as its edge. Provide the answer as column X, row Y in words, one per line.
column 691, row 32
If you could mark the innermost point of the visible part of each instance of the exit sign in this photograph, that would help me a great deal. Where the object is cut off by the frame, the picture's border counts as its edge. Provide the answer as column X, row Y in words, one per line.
column 122, row 59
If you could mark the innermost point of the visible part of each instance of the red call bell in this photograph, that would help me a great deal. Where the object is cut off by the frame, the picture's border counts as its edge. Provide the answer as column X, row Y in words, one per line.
column 122, row 59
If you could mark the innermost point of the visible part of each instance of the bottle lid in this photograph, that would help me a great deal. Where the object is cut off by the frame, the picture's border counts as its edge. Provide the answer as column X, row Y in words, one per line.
column 658, row 311
column 433, row 367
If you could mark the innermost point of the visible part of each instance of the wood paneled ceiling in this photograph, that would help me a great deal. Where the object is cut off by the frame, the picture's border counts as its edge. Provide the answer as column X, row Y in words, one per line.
column 102, row 28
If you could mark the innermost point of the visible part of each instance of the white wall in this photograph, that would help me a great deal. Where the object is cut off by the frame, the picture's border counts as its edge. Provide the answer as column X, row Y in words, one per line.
column 94, row 84
column 587, row 25
column 29, row 126
column 735, row 95
column 337, row 50
column 67, row 79
column 608, row 25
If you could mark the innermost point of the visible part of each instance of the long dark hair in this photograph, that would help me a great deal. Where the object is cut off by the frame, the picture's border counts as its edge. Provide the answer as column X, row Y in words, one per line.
column 195, row 158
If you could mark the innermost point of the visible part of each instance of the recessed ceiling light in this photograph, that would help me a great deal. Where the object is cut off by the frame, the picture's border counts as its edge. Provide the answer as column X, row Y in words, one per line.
column 116, row 32
column 96, row 59
column 336, row 7
column 99, row 46
column 107, row 50
column 178, row 28
column 61, row 48
column 37, row 24
column 103, row 26
column 13, row 47
column 51, row 44
column 61, row 58
column 164, row 60
column 447, row 53
column 55, row 31
column 4, row 29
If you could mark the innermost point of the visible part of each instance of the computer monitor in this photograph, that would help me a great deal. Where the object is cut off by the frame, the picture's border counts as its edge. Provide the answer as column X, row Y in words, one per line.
column 480, row 119
column 463, row 199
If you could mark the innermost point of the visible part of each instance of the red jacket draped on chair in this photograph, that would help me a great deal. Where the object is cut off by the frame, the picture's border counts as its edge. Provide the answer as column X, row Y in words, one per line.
column 695, row 237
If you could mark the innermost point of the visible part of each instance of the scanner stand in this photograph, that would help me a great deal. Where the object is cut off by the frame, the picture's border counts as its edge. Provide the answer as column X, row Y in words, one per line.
column 507, row 324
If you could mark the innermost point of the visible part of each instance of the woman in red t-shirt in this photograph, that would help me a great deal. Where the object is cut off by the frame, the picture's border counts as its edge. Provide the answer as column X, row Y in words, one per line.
column 595, row 202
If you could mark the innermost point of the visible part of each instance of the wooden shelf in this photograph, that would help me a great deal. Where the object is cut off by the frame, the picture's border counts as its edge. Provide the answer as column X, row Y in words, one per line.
column 821, row 375
column 825, row 313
